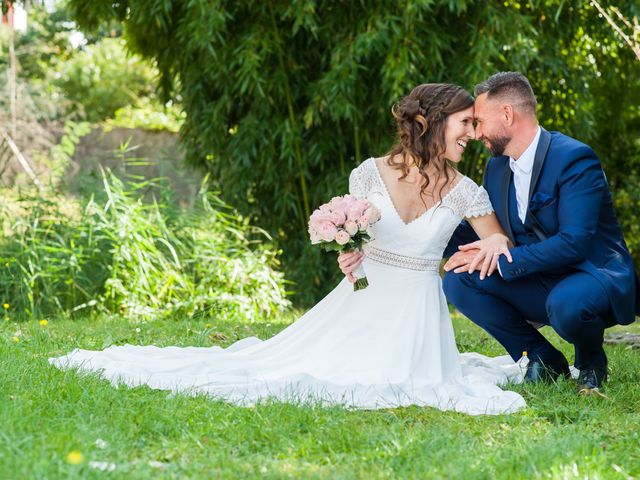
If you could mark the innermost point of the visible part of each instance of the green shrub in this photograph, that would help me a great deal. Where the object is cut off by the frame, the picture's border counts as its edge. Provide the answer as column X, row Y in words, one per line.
column 44, row 44
column 626, row 198
column 134, row 257
column 147, row 114
column 104, row 78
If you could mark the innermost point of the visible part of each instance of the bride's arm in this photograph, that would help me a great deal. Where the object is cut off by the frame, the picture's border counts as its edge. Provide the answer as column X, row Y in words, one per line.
column 359, row 178
column 486, row 251
column 486, row 226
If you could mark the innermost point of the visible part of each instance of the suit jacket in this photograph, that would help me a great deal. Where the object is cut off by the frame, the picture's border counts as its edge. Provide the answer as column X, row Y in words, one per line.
column 571, row 213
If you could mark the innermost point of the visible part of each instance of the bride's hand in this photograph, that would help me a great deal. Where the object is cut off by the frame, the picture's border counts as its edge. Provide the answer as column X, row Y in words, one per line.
column 489, row 251
column 348, row 262
column 459, row 262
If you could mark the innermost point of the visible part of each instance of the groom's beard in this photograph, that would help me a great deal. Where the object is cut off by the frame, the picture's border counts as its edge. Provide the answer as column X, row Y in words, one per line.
column 497, row 145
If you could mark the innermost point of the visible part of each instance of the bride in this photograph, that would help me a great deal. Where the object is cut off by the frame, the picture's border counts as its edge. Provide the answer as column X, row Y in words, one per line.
column 389, row 345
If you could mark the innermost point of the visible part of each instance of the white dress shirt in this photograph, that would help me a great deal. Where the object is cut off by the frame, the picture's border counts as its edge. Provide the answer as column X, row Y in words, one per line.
column 521, row 169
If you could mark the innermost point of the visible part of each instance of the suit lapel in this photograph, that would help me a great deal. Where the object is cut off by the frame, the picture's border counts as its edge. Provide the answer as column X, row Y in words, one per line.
column 504, row 189
column 538, row 161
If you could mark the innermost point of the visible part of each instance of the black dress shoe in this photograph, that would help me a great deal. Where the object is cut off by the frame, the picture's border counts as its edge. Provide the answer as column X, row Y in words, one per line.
column 538, row 371
column 591, row 378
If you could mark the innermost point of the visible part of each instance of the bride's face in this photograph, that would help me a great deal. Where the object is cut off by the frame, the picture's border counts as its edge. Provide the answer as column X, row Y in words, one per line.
column 458, row 131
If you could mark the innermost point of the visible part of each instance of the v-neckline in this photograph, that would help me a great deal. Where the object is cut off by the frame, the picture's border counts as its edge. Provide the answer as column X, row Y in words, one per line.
column 386, row 190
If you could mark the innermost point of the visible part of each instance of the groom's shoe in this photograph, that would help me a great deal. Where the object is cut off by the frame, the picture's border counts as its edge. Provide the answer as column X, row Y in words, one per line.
column 538, row 371
column 592, row 378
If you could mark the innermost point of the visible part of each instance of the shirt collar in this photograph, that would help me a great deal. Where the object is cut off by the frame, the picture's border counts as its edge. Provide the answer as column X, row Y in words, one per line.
column 525, row 163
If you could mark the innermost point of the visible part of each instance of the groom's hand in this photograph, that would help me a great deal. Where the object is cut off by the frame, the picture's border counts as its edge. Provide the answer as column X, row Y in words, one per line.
column 459, row 262
column 348, row 262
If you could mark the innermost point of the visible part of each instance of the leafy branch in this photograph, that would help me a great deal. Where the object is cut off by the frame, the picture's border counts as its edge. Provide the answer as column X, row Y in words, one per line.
column 632, row 37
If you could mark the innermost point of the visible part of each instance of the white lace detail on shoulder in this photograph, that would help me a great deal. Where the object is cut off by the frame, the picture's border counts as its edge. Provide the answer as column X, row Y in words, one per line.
column 481, row 204
column 467, row 199
column 364, row 179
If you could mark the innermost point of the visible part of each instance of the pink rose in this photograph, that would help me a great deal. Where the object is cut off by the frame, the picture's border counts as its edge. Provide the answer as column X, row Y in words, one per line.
column 370, row 216
column 342, row 237
column 314, row 235
column 351, row 227
column 364, row 219
column 374, row 214
column 320, row 216
column 327, row 231
column 334, row 203
column 338, row 204
column 338, row 217
column 354, row 212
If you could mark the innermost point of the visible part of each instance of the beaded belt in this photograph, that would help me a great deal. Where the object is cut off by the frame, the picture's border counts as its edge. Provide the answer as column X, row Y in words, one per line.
column 402, row 261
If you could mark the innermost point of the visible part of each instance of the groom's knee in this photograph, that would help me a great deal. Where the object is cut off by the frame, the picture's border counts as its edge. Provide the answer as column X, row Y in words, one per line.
column 566, row 315
column 454, row 287
column 459, row 287
column 456, row 284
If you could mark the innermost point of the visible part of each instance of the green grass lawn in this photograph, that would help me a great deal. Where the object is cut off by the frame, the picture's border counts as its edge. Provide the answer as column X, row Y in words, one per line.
column 53, row 424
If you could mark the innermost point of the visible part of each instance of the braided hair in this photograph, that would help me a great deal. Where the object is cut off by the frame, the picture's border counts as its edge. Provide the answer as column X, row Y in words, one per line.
column 420, row 118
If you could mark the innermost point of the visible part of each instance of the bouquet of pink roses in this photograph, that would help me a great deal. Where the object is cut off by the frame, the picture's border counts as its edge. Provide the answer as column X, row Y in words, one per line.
column 341, row 225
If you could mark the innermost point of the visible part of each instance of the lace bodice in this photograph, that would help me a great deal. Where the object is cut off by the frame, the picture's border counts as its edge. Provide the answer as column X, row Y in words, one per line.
column 426, row 236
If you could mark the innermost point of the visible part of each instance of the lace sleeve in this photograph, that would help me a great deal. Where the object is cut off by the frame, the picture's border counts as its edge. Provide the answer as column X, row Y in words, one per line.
column 363, row 179
column 356, row 183
column 480, row 204
column 468, row 200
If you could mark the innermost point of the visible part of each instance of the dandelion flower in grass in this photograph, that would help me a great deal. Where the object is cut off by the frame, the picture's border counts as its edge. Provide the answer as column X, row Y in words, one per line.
column 74, row 457
column 157, row 464
column 208, row 325
column 100, row 443
column 103, row 466
column 15, row 339
column 6, row 306
column 44, row 323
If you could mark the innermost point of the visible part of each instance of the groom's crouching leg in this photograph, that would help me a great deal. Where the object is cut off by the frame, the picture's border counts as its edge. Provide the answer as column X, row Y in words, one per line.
column 577, row 308
column 500, row 308
column 476, row 299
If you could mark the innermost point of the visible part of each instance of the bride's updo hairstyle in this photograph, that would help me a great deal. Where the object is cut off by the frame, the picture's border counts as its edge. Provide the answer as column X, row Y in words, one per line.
column 421, row 117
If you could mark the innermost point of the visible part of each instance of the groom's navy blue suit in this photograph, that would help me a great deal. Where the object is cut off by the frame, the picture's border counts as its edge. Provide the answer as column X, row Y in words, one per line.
column 571, row 267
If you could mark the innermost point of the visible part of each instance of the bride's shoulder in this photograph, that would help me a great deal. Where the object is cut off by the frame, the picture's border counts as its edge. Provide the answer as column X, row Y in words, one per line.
column 466, row 184
column 464, row 190
column 469, row 199
column 363, row 178
column 367, row 165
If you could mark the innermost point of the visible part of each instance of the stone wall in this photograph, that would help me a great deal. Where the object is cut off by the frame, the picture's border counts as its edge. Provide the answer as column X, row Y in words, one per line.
column 149, row 154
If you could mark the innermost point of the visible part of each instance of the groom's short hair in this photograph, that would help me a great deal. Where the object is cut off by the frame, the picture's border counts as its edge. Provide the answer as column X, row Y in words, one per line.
column 509, row 85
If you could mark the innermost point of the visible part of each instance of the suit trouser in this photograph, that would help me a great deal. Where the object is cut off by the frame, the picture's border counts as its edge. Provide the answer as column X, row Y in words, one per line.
column 576, row 306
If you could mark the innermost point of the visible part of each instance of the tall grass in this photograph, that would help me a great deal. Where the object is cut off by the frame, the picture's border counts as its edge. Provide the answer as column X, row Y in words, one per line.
column 124, row 253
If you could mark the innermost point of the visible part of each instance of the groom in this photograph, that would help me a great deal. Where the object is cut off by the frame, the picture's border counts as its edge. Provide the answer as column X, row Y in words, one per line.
column 571, row 267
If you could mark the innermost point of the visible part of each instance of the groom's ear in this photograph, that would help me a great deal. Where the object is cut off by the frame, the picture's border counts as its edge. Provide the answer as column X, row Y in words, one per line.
column 507, row 114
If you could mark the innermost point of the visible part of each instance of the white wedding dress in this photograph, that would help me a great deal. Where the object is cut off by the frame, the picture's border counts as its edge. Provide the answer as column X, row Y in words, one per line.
column 389, row 345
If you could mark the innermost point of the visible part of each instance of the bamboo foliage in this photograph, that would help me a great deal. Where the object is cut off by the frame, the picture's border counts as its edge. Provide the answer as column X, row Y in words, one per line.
column 283, row 99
